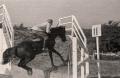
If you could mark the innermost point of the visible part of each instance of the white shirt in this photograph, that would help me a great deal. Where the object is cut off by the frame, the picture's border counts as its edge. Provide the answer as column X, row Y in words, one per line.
column 38, row 27
column 48, row 27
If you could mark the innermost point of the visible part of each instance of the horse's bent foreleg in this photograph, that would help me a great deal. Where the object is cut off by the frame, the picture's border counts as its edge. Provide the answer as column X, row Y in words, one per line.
column 53, row 50
column 23, row 63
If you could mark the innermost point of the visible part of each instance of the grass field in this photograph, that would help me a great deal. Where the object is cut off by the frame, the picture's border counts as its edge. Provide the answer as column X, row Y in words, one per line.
column 109, row 69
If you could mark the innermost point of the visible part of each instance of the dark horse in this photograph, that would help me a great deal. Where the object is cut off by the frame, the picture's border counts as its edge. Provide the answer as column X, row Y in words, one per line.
column 27, row 50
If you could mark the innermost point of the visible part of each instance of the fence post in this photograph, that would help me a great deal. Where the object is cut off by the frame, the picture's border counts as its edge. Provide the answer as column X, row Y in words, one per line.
column 98, row 57
column 74, row 56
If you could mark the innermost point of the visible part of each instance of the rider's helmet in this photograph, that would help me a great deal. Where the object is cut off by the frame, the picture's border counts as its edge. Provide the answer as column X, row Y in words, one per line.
column 50, row 21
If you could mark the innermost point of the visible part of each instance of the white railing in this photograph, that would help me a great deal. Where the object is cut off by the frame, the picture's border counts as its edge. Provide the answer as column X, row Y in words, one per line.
column 7, row 26
column 75, row 28
column 76, row 31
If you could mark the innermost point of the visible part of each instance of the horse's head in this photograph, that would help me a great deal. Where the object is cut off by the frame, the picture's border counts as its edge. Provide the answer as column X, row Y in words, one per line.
column 6, row 56
column 59, row 31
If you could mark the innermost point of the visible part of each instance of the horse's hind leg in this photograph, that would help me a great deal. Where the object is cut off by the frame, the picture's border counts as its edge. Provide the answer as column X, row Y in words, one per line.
column 23, row 63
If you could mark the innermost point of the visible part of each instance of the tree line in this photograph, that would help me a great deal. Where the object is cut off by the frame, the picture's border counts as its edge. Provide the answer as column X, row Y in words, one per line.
column 110, row 39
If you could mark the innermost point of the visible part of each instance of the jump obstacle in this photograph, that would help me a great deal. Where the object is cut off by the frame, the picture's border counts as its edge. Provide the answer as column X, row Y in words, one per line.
column 79, row 43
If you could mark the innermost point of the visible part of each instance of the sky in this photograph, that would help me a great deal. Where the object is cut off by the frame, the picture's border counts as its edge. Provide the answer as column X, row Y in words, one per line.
column 87, row 12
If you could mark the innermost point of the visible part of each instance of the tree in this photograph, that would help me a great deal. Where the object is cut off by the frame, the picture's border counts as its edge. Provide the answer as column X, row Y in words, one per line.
column 110, row 39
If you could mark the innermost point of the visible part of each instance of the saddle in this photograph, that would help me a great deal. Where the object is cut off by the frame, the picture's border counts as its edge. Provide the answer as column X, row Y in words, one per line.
column 36, row 39
column 44, row 42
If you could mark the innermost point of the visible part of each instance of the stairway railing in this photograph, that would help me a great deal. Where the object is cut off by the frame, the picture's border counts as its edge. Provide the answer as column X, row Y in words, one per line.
column 7, row 26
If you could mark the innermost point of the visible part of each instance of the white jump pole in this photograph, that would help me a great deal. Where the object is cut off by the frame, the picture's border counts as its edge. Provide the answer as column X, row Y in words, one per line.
column 87, row 65
column 74, row 56
column 82, row 66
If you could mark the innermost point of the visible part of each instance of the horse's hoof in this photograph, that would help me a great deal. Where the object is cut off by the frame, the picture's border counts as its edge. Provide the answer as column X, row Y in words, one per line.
column 54, row 68
column 30, row 72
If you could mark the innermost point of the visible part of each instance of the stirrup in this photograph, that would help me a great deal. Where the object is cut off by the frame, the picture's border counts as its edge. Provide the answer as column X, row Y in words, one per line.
column 45, row 49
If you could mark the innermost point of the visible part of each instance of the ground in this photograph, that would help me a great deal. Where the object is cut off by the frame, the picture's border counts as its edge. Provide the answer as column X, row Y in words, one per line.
column 109, row 68
column 43, row 62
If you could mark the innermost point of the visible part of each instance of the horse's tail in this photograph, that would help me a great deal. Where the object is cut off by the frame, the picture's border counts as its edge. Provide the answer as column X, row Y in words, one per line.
column 8, row 54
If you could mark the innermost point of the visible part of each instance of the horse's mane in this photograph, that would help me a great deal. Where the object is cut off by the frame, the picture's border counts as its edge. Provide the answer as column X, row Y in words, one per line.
column 57, row 28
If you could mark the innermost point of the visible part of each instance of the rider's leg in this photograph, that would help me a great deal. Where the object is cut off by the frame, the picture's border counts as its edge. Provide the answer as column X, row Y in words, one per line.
column 45, row 38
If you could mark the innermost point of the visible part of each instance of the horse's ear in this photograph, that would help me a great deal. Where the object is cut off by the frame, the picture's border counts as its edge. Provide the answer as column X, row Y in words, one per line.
column 63, row 26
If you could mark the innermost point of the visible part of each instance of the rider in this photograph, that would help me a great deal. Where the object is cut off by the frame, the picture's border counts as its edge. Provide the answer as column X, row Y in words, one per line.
column 48, row 27
column 47, row 24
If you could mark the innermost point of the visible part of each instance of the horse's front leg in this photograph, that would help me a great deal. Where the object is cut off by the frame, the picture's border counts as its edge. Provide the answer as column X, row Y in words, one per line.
column 52, row 63
column 23, row 63
column 53, row 50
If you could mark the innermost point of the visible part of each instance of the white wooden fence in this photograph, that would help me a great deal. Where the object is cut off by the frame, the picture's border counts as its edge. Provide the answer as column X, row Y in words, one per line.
column 78, row 38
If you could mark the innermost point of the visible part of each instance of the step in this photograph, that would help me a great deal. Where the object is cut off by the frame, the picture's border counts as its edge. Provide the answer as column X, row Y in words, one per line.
column 18, row 72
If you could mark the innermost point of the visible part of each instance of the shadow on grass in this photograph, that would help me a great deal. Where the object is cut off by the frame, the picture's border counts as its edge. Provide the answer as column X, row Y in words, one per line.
column 108, row 58
column 107, row 77
column 5, row 76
